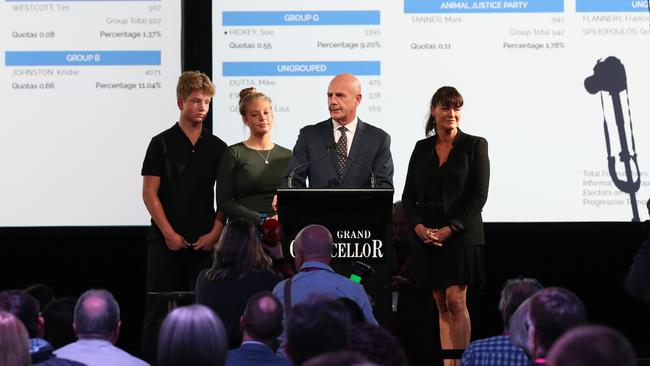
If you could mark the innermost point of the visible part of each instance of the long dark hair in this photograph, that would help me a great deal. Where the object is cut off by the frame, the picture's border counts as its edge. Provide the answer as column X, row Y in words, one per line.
column 446, row 96
column 237, row 251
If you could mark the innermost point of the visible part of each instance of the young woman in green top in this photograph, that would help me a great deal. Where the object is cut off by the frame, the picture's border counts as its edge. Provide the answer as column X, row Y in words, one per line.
column 251, row 170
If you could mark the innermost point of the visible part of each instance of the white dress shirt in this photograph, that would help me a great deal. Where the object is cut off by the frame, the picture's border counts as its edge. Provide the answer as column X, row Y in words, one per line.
column 352, row 127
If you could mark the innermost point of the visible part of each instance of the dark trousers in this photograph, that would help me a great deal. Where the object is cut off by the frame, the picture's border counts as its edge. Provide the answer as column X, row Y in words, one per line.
column 167, row 271
column 415, row 324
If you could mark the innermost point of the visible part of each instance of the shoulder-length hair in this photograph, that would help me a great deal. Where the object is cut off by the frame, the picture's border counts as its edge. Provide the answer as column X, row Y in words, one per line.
column 14, row 343
column 238, row 251
column 192, row 335
column 446, row 96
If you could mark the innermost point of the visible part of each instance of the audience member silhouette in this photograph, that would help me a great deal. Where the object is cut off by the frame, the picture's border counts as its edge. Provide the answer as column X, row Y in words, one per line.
column 591, row 345
column 241, row 269
column 316, row 326
column 25, row 308
column 97, row 326
column 192, row 335
column 377, row 345
column 339, row 358
column 14, row 343
column 353, row 309
column 42, row 293
column 543, row 318
column 500, row 350
column 59, row 316
column 260, row 325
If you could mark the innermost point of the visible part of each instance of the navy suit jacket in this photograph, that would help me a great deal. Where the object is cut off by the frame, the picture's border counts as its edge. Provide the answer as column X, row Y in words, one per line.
column 255, row 354
column 370, row 148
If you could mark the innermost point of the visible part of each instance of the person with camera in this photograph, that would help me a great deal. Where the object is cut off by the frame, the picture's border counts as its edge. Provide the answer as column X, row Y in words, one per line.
column 313, row 251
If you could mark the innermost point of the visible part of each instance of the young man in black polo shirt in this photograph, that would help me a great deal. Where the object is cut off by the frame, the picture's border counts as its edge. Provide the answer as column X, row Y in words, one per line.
column 179, row 174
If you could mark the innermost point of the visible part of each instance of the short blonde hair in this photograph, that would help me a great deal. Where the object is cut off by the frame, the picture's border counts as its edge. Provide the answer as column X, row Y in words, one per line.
column 190, row 81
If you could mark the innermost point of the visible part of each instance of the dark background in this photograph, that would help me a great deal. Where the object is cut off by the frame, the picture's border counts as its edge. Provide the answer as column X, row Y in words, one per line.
column 590, row 259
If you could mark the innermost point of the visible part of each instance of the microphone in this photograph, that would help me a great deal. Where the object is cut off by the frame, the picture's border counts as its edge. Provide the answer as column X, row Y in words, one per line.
column 372, row 175
column 310, row 162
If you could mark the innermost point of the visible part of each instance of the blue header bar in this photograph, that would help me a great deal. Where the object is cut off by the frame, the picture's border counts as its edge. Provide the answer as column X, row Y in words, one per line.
column 292, row 18
column 81, row 58
column 498, row 6
column 301, row 68
column 611, row 6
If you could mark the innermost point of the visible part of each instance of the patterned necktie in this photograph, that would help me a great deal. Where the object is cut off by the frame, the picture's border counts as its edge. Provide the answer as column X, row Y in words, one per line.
column 342, row 151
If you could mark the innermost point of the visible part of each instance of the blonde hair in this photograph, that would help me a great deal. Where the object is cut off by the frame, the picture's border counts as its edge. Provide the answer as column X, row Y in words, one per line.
column 190, row 81
column 14, row 342
column 247, row 96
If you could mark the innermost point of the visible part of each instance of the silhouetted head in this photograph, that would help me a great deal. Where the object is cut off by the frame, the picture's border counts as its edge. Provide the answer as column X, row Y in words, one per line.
column 591, row 345
column 59, row 316
column 316, row 326
column 238, row 251
column 192, row 335
column 340, row 358
column 313, row 243
column 262, row 319
column 14, row 343
column 377, row 344
column 42, row 293
column 514, row 292
column 97, row 315
column 24, row 307
column 547, row 315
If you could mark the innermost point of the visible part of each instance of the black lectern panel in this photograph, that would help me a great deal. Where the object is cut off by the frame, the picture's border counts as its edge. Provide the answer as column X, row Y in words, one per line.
column 360, row 223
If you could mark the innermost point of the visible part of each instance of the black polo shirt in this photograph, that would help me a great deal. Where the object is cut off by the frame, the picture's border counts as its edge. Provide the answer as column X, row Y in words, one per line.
column 187, row 177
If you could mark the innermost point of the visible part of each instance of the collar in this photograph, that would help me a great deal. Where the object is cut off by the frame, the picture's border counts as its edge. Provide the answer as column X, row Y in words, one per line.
column 253, row 343
column 457, row 139
column 352, row 126
column 314, row 264
column 204, row 132
column 94, row 342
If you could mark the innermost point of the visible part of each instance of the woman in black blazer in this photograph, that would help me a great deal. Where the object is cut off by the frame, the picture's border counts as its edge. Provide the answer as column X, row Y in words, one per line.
column 446, row 188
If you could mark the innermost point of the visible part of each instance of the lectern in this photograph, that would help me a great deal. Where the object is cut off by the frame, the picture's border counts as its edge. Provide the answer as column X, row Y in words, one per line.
column 360, row 223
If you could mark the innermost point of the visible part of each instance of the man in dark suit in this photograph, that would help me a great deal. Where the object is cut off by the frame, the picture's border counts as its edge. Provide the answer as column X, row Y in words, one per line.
column 342, row 151
column 260, row 325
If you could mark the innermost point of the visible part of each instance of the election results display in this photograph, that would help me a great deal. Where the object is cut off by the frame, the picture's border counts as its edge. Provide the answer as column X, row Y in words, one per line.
column 559, row 89
column 85, row 85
